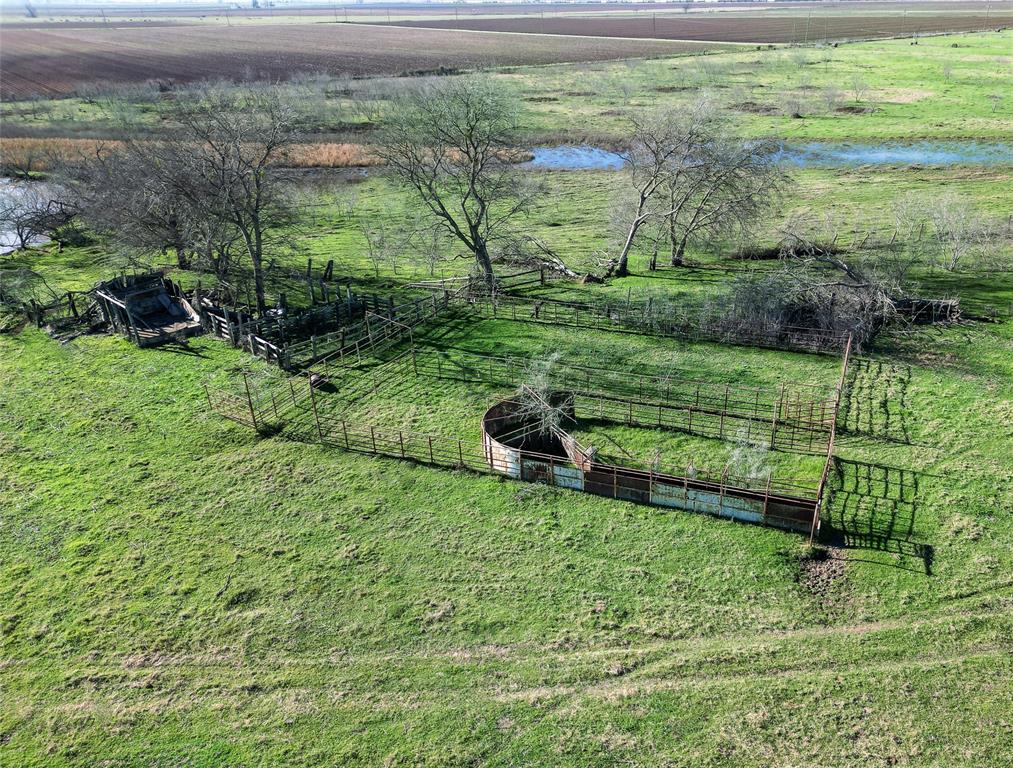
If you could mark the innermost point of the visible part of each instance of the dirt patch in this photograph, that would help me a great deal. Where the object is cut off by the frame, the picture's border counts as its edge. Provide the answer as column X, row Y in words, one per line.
column 540, row 99
column 855, row 109
column 673, row 88
column 756, row 108
column 902, row 95
column 820, row 573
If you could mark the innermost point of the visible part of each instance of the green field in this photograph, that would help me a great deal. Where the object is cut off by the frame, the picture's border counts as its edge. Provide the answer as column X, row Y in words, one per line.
column 178, row 590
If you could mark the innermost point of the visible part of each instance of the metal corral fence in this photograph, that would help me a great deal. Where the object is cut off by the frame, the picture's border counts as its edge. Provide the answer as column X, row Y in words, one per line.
column 767, row 500
column 638, row 319
column 374, row 332
column 789, row 419
column 770, row 500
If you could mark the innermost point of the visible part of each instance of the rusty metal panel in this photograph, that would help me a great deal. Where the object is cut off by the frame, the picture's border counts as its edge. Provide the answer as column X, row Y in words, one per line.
column 569, row 477
column 501, row 458
column 599, row 483
column 633, row 488
column 675, row 496
column 706, row 502
column 536, row 471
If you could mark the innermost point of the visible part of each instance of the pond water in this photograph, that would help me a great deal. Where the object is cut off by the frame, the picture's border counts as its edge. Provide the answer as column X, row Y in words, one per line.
column 808, row 155
column 829, row 155
column 10, row 193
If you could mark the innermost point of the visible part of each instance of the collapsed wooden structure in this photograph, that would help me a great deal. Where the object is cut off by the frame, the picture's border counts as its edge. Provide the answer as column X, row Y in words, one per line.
column 149, row 309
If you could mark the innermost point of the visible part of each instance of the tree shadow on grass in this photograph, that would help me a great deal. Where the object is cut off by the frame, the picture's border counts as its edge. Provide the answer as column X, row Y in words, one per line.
column 874, row 507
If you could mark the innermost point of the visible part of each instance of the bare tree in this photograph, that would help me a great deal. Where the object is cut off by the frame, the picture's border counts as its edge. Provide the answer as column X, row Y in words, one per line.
column 210, row 182
column 691, row 173
column 452, row 143
column 380, row 243
column 430, row 248
column 142, row 193
column 236, row 140
column 830, row 97
column 33, row 211
column 958, row 229
column 859, row 87
column 661, row 144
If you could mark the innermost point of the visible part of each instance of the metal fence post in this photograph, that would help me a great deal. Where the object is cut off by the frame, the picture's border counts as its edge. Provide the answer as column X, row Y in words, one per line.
column 249, row 400
column 777, row 414
column 316, row 416
column 766, row 496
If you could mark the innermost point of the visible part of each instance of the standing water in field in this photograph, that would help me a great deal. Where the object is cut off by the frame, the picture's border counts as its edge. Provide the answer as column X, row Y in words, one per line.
column 13, row 195
column 829, row 155
column 810, row 155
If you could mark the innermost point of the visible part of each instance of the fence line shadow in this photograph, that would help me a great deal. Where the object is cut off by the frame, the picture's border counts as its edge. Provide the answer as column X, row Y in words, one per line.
column 874, row 507
column 874, row 402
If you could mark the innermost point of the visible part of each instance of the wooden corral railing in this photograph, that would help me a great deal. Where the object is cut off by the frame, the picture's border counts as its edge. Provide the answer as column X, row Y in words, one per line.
column 70, row 307
column 477, row 285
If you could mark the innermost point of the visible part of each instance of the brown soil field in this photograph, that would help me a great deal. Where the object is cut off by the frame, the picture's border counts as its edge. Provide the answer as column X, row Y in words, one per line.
column 55, row 62
column 739, row 28
column 51, row 13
